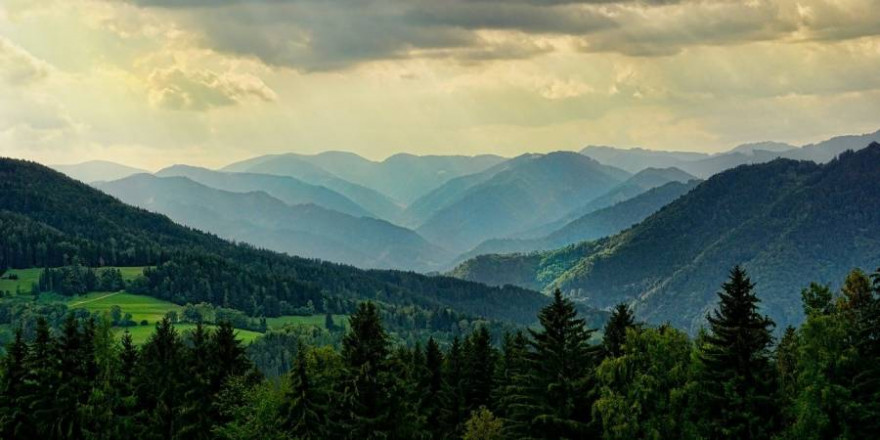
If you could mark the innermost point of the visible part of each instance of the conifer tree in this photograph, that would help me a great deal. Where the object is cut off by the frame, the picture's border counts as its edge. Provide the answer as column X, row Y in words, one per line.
column 42, row 364
column 365, row 352
column 866, row 381
column 787, row 369
column 227, row 355
column 76, row 371
column 508, row 395
column 561, row 373
column 479, row 363
column 197, row 411
column 738, row 376
column 615, row 330
column 125, row 381
column 304, row 405
column 159, row 382
column 432, row 387
column 453, row 412
column 15, row 418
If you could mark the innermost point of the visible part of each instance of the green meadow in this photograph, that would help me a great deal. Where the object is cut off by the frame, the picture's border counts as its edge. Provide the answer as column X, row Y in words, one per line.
column 141, row 333
column 141, row 307
column 26, row 278
column 315, row 320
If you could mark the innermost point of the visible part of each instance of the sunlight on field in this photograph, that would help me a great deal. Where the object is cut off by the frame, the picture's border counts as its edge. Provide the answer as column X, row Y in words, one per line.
column 141, row 333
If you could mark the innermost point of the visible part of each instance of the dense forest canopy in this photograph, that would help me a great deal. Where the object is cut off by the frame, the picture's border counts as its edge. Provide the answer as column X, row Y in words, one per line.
column 733, row 381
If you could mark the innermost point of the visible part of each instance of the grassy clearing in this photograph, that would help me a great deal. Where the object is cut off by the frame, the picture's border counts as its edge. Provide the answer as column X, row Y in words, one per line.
column 26, row 278
column 315, row 320
column 140, row 306
column 153, row 310
column 29, row 277
column 141, row 333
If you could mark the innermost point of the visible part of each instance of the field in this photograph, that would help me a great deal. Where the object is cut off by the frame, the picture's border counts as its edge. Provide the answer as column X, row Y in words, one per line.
column 26, row 278
column 141, row 307
column 316, row 320
column 29, row 277
column 141, row 333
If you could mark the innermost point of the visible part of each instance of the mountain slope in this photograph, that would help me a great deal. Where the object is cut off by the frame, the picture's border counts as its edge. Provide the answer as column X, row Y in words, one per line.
column 257, row 218
column 788, row 222
column 454, row 190
column 287, row 189
column 292, row 165
column 705, row 165
column 47, row 219
column 638, row 159
column 532, row 192
column 597, row 224
column 97, row 171
column 639, row 183
column 403, row 177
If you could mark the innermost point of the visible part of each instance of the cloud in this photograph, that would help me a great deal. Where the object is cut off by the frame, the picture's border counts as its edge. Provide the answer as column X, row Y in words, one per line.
column 176, row 89
column 311, row 35
column 19, row 67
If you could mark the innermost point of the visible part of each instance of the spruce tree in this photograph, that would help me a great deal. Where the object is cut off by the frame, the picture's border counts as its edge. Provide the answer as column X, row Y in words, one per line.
column 365, row 352
column 15, row 416
column 160, row 381
column 737, row 374
column 42, row 378
column 197, row 412
column 621, row 319
column 75, row 373
column 304, row 405
column 432, row 387
column 453, row 412
column 509, row 393
column 560, row 383
column 479, row 364
column 866, row 381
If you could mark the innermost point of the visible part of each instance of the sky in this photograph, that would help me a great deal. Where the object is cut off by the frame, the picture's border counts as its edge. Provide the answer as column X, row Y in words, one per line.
column 150, row 83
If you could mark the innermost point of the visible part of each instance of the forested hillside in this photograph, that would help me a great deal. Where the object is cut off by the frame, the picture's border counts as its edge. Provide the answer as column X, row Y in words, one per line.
column 304, row 230
column 48, row 219
column 554, row 381
column 596, row 224
column 784, row 220
column 292, row 165
column 532, row 192
column 287, row 189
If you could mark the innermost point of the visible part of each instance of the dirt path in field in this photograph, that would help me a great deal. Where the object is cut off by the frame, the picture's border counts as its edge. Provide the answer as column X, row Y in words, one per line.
column 93, row 299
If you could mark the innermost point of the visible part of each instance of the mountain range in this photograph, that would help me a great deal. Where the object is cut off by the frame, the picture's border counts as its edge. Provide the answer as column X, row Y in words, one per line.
column 787, row 222
column 429, row 213
column 49, row 220
column 306, row 230
column 402, row 177
column 705, row 165
column 287, row 189
column 97, row 171
column 597, row 224
column 533, row 191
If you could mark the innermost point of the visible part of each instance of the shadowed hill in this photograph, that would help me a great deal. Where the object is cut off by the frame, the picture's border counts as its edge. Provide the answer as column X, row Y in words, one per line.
column 788, row 222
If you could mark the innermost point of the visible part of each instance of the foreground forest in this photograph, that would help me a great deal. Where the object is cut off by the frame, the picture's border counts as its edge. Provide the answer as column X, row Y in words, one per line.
column 733, row 381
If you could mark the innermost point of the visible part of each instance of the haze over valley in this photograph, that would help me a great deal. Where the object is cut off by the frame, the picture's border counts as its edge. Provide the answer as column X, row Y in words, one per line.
column 544, row 215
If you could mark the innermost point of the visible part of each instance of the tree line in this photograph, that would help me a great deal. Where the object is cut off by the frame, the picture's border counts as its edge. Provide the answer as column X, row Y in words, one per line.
column 553, row 381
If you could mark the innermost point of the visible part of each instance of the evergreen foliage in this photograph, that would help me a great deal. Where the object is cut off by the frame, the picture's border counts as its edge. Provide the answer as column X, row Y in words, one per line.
column 819, row 382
